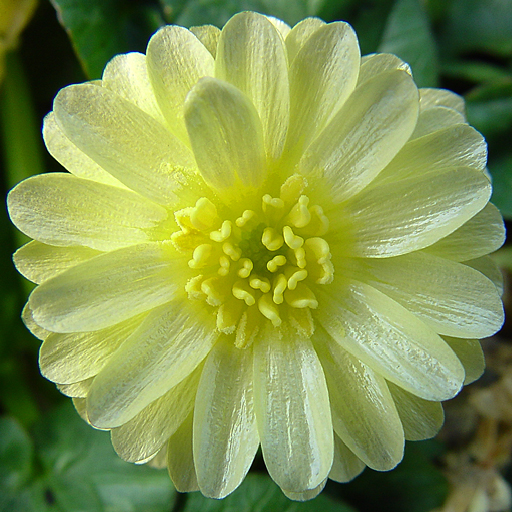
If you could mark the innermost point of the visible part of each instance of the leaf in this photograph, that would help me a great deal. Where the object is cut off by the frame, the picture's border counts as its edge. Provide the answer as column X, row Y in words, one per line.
column 479, row 25
column 201, row 12
column 100, row 29
column 501, row 171
column 408, row 35
column 259, row 493
column 85, row 473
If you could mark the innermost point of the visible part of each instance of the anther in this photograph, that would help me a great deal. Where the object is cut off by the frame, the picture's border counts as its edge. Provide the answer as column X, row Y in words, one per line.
column 234, row 252
column 276, row 262
column 271, row 239
column 280, row 284
column 246, row 269
column 242, row 291
column 301, row 297
column 269, row 309
column 246, row 217
column 292, row 188
column 259, row 283
column 273, row 207
column 295, row 277
column 210, row 287
column 200, row 256
column 224, row 266
column 299, row 215
column 292, row 241
column 223, row 233
column 204, row 214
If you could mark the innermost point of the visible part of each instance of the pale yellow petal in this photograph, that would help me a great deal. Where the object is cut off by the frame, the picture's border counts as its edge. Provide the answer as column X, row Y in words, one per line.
column 180, row 459
column 159, row 461
column 451, row 298
column 146, row 433
column 377, row 63
column 305, row 495
column 124, row 140
column 226, row 135
column 77, row 389
column 323, row 74
column 209, row 36
column 364, row 415
column 72, row 158
column 73, row 357
column 396, row 218
column 364, row 136
column 390, row 340
column 282, row 27
column 60, row 209
column 107, row 289
column 39, row 262
column 225, row 433
column 292, row 410
column 471, row 356
column 457, row 146
column 176, row 60
column 482, row 234
column 299, row 34
column 30, row 324
column 488, row 267
column 251, row 55
column 436, row 118
column 346, row 466
column 420, row 418
column 170, row 343
column 127, row 76
column 441, row 97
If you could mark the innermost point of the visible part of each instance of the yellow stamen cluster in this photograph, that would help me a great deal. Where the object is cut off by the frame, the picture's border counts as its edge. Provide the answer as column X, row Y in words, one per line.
column 260, row 263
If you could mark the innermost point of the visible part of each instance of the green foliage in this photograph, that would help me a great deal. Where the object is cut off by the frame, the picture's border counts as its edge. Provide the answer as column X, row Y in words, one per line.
column 69, row 467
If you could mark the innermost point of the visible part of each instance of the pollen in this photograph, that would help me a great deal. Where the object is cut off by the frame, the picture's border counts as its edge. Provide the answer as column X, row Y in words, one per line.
column 260, row 265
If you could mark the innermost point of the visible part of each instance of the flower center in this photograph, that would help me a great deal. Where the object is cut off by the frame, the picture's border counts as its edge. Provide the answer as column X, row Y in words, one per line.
column 260, row 264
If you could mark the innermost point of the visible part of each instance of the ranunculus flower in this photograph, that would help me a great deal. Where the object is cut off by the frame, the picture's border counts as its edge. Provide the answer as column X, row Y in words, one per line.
column 264, row 240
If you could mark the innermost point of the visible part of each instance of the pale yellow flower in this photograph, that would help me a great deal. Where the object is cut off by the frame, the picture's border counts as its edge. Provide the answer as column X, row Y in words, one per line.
column 265, row 240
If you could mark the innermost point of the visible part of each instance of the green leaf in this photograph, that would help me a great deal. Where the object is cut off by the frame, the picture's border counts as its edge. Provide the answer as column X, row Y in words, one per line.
column 100, row 29
column 490, row 117
column 214, row 12
column 83, row 472
column 259, row 493
column 408, row 35
column 479, row 25
column 501, row 171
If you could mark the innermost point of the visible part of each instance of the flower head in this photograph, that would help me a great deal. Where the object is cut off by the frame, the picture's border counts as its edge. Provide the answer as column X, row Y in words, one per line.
column 264, row 239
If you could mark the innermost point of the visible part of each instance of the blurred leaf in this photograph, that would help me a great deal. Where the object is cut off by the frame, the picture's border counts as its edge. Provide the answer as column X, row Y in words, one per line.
column 475, row 72
column 415, row 485
column 259, row 493
column 215, row 12
column 479, row 25
column 84, row 472
column 490, row 117
column 100, row 29
column 501, row 171
column 408, row 35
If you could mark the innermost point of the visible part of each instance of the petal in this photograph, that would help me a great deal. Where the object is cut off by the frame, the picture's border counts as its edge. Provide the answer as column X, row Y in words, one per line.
column 457, row 146
column 77, row 389
column 368, row 131
column 346, row 466
column 226, row 135
column 59, row 209
column 305, row 495
column 251, row 55
column 390, row 340
column 208, row 35
column 377, row 63
column 176, row 60
column 146, row 433
column 421, row 419
column 170, row 343
column 225, row 432
column 107, row 289
column 72, row 158
column 73, row 357
column 323, row 74
column 436, row 118
column 39, row 262
column 482, row 234
column 471, row 356
column 411, row 214
column 488, row 267
column 30, row 324
column 127, row 76
column 363, row 412
column 441, row 97
column 124, row 140
column 451, row 298
column 180, row 459
column 299, row 34
column 283, row 28
column 292, row 410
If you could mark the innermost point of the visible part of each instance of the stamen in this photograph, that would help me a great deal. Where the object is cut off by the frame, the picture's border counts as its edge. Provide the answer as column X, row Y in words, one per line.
column 200, row 256
column 232, row 251
column 258, row 283
column 242, row 291
column 299, row 215
column 223, row 233
column 204, row 214
column 276, row 262
column 269, row 309
column 247, row 267
column 301, row 297
column 292, row 241
column 271, row 239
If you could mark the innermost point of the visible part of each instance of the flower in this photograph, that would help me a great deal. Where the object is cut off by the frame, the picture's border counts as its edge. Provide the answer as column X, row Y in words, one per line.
column 264, row 240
